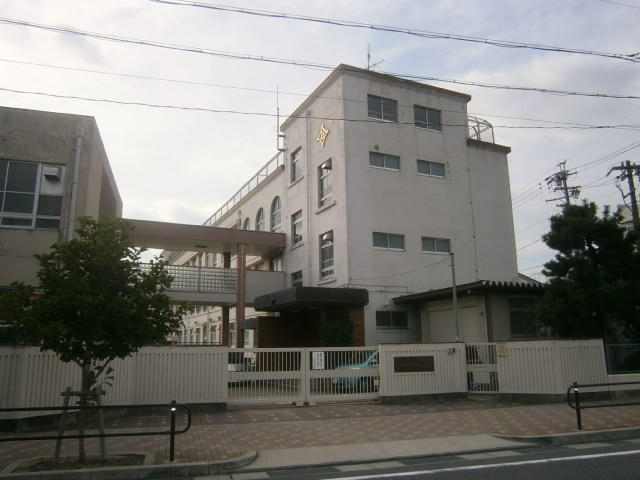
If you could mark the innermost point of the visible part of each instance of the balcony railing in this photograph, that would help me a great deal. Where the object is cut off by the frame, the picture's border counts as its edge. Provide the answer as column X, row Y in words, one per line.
column 201, row 279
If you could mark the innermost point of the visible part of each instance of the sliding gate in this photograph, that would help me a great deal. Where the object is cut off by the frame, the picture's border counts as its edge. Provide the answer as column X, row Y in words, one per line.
column 302, row 375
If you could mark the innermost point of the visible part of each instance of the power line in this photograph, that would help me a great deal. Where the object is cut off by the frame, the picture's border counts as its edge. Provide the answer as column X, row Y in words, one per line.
column 634, row 57
column 263, row 114
column 299, row 63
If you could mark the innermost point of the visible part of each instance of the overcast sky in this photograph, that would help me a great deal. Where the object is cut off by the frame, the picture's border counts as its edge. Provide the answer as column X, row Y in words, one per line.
column 181, row 164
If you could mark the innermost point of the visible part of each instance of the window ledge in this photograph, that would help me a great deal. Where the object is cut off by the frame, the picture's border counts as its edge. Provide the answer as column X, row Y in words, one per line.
column 428, row 175
column 428, row 129
column 296, row 181
column 297, row 245
column 330, row 279
column 326, row 207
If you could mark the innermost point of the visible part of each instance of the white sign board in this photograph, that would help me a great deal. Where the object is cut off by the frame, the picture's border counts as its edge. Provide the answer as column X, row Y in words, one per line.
column 317, row 359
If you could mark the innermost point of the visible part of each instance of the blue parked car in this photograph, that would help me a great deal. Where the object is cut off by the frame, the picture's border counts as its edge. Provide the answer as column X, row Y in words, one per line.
column 358, row 384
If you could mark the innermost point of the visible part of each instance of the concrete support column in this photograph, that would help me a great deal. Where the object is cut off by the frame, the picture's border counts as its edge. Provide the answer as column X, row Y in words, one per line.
column 241, row 261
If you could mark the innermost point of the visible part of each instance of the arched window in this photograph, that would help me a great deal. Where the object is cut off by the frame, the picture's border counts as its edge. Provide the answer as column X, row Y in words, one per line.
column 276, row 215
column 260, row 220
column 245, row 225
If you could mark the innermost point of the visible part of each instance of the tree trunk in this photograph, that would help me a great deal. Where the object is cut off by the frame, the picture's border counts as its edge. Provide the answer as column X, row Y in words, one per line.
column 82, row 418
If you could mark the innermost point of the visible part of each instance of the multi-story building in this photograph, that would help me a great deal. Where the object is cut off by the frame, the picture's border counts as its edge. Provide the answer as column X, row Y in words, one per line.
column 379, row 181
column 53, row 168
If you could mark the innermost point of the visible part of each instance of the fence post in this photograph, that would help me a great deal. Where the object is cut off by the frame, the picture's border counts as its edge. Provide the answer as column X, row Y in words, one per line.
column 172, row 435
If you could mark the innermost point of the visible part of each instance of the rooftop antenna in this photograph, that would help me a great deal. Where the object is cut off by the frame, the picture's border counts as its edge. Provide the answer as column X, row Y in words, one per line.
column 278, row 134
column 369, row 65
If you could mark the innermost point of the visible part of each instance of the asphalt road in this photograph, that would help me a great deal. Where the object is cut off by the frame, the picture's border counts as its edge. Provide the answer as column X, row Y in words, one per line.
column 611, row 460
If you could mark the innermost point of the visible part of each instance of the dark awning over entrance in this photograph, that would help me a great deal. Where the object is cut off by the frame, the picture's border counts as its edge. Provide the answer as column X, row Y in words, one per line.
column 297, row 298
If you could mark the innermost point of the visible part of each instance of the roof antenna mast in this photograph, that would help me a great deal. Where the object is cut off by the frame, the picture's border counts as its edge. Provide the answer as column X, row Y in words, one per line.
column 369, row 65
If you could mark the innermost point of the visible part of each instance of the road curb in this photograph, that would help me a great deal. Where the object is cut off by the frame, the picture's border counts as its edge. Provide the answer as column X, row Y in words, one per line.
column 577, row 436
column 139, row 472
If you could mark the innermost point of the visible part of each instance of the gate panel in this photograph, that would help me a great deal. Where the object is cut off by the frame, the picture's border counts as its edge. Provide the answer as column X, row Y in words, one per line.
column 482, row 368
column 285, row 376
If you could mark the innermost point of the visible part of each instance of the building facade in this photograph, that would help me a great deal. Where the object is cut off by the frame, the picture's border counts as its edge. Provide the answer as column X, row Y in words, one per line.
column 53, row 168
column 379, row 181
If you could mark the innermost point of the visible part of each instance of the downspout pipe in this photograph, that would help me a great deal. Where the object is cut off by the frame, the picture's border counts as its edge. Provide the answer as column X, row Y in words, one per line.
column 73, row 185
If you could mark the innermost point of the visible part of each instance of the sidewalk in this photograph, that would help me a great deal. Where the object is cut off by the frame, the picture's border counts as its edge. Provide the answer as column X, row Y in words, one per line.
column 343, row 433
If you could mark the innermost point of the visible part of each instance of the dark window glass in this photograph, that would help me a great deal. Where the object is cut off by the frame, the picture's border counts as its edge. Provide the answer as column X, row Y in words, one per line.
column 382, row 108
column 386, row 319
column 18, row 202
column 48, row 223
column 427, row 118
column 50, row 205
column 3, row 173
column 22, row 177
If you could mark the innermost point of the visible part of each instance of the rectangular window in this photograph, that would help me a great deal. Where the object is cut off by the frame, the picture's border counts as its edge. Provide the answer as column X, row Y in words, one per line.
column 382, row 108
column 433, row 169
column 296, row 165
column 325, row 187
column 296, row 228
column 388, row 241
column 383, row 160
column 390, row 320
column 428, row 118
column 521, row 317
column 30, row 195
column 436, row 245
column 296, row 279
column 326, row 255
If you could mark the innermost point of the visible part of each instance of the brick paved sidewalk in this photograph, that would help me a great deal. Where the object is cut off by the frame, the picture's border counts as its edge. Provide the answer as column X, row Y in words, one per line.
column 223, row 435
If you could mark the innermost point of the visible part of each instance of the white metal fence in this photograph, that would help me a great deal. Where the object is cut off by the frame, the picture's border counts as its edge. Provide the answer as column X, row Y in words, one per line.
column 302, row 375
column 210, row 374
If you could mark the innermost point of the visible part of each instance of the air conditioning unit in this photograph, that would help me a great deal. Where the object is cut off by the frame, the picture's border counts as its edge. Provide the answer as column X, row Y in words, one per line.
column 52, row 173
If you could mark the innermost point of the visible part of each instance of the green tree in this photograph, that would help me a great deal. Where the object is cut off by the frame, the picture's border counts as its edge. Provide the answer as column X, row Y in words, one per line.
column 593, row 287
column 94, row 302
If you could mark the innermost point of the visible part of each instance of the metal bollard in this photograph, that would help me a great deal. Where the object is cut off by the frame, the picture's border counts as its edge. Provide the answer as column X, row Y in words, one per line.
column 578, row 413
column 172, row 434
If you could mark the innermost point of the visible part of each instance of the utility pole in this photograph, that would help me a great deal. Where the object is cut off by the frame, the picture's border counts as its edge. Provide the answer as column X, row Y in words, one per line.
column 559, row 182
column 628, row 170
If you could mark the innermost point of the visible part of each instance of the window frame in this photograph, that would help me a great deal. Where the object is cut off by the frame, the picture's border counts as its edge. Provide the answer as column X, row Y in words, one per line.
column 429, row 164
column 297, row 279
column 436, row 250
column 387, row 241
column 325, row 184
column 275, row 215
column 524, row 317
column 296, row 228
column 386, row 158
column 426, row 122
column 296, row 165
column 260, row 220
column 327, row 256
column 379, row 112
column 397, row 320
column 43, row 191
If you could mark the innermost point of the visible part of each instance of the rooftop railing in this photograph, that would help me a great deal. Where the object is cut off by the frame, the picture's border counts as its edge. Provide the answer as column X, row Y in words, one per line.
column 480, row 129
column 271, row 166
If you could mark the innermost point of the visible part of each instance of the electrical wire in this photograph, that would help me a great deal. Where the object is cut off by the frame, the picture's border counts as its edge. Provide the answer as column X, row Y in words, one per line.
column 299, row 63
column 634, row 57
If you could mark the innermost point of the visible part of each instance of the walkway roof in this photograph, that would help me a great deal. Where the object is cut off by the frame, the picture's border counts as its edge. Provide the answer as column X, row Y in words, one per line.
column 197, row 238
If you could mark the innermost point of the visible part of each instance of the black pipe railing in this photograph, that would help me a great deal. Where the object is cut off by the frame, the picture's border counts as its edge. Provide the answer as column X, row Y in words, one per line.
column 578, row 407
column 172, row 432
